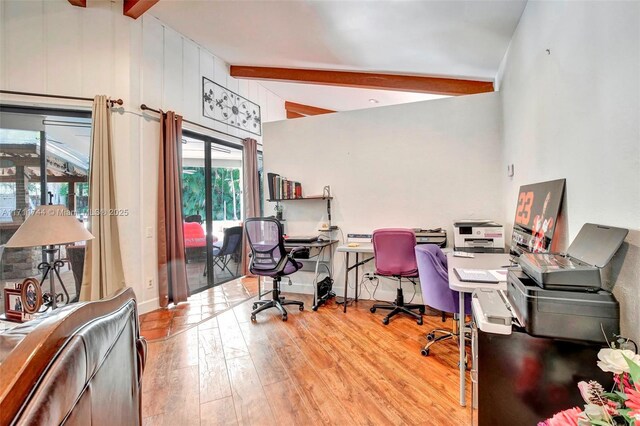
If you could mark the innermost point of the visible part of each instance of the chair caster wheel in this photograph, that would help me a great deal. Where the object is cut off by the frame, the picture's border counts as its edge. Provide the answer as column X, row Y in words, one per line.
column 431, row 336
column 419, row 321
column 301, row 308
column 385, row 321
column 372, row 310
column 253, row 318
column 424, row 352
column 314, row 309
column 284, row 318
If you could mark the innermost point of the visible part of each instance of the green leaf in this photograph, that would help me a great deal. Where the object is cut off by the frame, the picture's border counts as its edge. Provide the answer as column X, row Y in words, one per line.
column 634, row 370
column 622, row 395
column 618, row 397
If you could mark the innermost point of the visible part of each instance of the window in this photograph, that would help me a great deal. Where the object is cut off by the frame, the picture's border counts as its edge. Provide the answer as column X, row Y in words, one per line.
column 44, row 157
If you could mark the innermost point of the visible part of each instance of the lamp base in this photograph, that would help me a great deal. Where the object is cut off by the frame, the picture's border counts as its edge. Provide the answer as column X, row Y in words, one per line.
column 51, row 269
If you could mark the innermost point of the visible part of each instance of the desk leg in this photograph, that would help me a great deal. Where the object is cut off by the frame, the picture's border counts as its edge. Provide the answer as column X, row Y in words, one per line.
column 315, row 279
column 462, row 347
column 346, row 280
column 357, row 260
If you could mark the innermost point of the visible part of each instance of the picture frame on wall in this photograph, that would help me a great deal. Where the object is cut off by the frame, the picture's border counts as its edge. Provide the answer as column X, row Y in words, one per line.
column 227, row 107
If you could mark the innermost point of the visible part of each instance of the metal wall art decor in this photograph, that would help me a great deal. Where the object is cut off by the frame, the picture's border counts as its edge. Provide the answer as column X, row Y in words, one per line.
column 225, row 106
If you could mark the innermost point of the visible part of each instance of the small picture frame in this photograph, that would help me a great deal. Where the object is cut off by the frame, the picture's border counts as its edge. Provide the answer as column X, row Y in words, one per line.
column 31, row 296
column 13, row 308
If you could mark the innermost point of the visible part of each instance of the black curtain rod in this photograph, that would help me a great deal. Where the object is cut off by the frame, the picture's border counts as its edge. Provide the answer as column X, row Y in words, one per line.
column 44, row 95
column 146, row 108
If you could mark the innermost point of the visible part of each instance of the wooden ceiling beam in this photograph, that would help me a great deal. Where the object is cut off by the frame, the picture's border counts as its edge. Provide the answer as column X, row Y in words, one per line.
column 305, row 110
column 79, row 3
column 291, row 114
column 405, row 83
column 136, row 8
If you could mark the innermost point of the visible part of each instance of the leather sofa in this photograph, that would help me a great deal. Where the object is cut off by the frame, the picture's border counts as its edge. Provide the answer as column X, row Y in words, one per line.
column 81, row 364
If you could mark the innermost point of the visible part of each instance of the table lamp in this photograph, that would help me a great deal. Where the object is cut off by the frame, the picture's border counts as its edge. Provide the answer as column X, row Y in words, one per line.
column 51, row 226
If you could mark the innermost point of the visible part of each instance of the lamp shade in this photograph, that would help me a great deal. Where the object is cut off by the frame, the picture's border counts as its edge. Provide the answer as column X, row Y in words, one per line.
column 49, row 225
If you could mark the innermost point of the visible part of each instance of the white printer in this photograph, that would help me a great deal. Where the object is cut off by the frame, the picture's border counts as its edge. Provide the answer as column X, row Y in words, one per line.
column 479, row 236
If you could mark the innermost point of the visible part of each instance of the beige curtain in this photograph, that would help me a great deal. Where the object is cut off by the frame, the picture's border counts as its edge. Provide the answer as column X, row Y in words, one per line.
column 251, row 191
column 103, row 273
column 172, row 272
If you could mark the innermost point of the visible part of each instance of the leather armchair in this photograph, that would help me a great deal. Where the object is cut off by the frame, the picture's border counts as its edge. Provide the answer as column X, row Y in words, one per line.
column 81, row 364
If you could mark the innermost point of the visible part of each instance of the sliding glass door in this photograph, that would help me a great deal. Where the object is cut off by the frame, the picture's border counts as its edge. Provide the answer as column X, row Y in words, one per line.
column 212, row 208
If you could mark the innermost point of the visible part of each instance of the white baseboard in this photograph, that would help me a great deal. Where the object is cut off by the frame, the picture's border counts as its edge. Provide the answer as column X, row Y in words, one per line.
column 148, row 305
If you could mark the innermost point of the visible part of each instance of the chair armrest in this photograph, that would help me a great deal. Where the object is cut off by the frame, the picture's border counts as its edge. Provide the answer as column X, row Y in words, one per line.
column 293, row 251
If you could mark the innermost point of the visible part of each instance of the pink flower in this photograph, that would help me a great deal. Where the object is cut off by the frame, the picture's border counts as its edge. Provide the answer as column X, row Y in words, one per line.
column 568, row 417
column 585, row 391
column 633, row 402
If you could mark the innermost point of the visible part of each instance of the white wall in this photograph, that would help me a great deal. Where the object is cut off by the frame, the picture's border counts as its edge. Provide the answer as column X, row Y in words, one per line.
column 575, row 114
column 49, row 46
column 421, row 164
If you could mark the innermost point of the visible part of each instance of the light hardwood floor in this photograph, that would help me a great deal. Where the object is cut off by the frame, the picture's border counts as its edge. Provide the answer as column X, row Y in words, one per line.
column 318, row 367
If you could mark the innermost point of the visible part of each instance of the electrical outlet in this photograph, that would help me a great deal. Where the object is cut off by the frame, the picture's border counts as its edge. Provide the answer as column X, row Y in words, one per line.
column 149, row 232
column 149, row 283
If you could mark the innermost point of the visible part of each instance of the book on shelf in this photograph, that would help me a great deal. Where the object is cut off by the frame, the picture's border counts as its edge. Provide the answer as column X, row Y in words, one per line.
column 271, row 181
column 280, row 188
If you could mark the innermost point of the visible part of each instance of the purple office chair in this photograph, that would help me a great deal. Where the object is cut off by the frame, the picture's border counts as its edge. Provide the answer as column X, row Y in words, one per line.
column 270, row 259
column 434, row 280
column 394, row 257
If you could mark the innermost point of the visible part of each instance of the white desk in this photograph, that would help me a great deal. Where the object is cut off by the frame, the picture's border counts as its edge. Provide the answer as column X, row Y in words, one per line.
column 480, row 261
column 360, row 249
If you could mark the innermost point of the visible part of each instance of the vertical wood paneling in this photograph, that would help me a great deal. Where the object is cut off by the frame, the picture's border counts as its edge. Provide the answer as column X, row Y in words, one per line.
column 243, row 88
column 276, row 107
column 207, row 69
column 191, row 80
column 262, row 101
column 152, row 62
column 220, row 75
column 172, row 95
column 97, row 50
column 25, row 52
column 63, row 35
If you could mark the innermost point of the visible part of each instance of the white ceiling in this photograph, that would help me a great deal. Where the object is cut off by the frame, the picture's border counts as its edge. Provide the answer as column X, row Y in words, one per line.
column 342, row 98
column 460, row 39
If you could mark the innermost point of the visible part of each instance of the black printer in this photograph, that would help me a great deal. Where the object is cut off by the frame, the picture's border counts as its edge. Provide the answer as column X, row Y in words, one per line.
column 586, row 316
column 561, row 295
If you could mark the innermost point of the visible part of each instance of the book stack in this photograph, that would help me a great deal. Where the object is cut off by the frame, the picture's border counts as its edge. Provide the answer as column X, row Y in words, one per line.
column 280, row 188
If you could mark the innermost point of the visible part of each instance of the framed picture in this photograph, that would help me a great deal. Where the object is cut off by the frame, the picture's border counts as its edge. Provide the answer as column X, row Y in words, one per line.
column 31, row 296
column 13, row 309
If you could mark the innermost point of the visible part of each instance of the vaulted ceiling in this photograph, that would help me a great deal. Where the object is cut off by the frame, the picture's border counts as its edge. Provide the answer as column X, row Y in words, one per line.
column 454, row 39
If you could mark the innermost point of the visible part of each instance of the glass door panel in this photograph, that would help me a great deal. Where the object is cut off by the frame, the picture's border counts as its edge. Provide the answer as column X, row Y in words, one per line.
column 194, row 174
column 212, row 206
column 226, row 212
